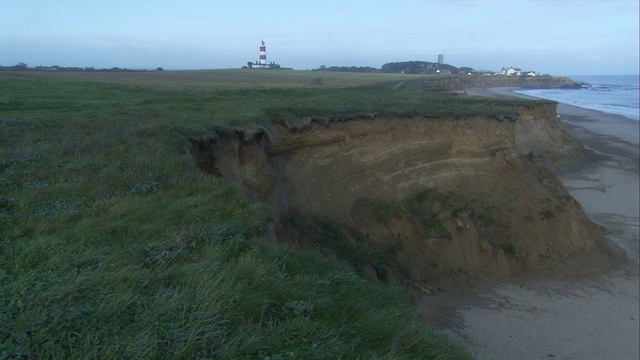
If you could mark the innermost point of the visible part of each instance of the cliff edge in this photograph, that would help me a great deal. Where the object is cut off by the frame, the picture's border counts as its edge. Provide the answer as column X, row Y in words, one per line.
column 452, row 83
column 419, row 198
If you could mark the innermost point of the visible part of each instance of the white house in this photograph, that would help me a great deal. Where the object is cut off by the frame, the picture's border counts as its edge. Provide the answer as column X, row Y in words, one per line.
column 510, row 71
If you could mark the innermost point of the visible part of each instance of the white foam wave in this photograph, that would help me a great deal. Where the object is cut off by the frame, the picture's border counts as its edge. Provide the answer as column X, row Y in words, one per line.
column 616, row 95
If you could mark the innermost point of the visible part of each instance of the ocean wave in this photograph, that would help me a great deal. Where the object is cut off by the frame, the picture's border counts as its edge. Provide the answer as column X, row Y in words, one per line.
column 614, row 95
column 609, row 87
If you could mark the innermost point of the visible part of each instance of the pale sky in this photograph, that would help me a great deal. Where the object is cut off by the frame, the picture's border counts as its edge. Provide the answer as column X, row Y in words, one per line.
column 559, row 37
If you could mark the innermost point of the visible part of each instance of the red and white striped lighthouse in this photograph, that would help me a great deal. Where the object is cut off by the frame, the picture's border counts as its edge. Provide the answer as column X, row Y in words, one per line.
column 263, row 55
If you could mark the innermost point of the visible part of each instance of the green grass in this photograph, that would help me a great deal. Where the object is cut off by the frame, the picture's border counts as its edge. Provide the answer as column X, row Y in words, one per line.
column 113, row 244
column 222, row 79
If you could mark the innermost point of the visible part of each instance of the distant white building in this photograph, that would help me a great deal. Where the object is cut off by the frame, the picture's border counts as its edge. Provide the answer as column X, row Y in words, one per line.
column 510, row 71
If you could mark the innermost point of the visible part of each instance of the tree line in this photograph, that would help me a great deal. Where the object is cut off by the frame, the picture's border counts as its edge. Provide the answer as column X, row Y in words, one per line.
column 23, row 67
column 404, row 67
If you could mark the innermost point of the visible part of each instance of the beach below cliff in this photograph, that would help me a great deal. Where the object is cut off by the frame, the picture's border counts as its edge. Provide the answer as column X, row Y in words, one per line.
column 595, row 316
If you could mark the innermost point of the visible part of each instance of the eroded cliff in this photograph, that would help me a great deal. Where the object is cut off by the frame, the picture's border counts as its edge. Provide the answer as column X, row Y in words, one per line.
column 419, row 197
column 539, row 82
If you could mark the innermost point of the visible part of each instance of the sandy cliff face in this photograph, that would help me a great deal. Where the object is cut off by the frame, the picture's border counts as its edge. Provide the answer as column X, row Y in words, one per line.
column 538, row 131
column 421, row 197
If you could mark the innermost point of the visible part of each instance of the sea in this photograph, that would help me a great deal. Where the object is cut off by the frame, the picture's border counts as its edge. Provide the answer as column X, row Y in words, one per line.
column 613, row 94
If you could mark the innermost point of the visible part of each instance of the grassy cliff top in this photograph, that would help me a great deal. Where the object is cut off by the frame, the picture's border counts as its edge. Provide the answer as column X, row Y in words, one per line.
column 113, row 244
column 235, row 97
column 217, row 79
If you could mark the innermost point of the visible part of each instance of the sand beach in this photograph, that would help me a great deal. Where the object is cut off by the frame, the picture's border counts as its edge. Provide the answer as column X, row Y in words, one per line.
column 588, row 317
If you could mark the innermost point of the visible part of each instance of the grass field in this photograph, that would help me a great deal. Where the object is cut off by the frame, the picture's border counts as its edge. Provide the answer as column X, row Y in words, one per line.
column 113, row 245
column 224, row 79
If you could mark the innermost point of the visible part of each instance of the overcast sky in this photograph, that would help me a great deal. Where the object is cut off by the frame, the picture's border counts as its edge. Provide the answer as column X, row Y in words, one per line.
column 559, row 37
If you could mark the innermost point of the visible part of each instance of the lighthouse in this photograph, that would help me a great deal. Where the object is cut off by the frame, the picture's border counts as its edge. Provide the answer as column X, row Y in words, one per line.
column 262, row 61
column 263, row 55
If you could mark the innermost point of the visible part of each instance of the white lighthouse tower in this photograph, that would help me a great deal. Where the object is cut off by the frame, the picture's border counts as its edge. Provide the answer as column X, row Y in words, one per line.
column 262, row 61
column 263, row 55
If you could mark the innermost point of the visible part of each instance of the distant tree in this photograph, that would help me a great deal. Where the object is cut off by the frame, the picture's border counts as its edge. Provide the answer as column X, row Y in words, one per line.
column 249, row 64
column 159, row 69
column 20, row 66
column 322, row 67
column 421, row 67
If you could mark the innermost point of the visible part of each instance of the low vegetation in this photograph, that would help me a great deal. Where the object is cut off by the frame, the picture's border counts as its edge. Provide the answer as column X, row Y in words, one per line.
column 113, row 244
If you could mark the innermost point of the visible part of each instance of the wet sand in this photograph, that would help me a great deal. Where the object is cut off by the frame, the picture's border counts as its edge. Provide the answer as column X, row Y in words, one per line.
column 594, row 317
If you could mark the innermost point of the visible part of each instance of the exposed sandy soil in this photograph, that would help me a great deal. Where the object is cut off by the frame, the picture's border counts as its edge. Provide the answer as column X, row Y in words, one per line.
column 595, row 316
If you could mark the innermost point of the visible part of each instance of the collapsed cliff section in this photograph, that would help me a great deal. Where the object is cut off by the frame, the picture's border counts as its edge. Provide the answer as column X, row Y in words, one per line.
column 418, row 198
